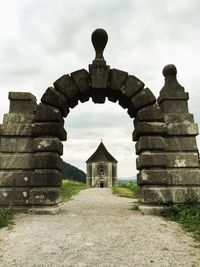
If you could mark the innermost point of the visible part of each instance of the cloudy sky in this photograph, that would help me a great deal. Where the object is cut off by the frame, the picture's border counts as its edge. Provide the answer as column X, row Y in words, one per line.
column 42, row 40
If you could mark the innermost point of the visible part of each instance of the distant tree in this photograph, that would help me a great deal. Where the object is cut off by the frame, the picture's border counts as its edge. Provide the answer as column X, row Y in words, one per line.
column 73, row 173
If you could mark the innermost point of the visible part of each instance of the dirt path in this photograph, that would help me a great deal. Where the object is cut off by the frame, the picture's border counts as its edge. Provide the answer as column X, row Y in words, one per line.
column 96, row 229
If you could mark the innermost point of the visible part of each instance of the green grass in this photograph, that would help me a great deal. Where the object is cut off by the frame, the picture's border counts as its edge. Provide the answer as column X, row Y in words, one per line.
column 129, row 190
column 6, row 218
column 70, row 188
column 187, row 215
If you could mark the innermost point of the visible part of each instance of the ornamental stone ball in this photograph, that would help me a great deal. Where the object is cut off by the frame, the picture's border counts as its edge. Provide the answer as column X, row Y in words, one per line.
column 99, row 40
column 169, row 70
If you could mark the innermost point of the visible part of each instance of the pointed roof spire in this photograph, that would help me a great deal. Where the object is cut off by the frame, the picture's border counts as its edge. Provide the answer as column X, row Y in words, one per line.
column 101, row 154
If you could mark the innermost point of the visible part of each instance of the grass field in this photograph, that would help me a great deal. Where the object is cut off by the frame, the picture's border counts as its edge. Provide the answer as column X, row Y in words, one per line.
column 70, row 188
column 126, row 190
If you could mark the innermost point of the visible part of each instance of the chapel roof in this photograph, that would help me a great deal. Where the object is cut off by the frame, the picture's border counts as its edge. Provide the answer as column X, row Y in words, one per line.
column 101, row 154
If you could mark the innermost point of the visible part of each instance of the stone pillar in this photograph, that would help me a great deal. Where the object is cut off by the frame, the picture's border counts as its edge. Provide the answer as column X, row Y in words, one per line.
column 179, row 179
column 17, row 175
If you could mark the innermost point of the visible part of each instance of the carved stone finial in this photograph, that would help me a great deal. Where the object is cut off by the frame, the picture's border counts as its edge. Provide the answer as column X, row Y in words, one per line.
column 99, row 40
column 169, row 70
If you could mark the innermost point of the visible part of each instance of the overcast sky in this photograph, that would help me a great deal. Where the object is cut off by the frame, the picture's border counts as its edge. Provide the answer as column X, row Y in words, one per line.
column 42, row 40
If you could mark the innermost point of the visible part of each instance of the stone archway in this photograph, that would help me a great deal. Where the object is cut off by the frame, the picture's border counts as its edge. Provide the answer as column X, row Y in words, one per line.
column 167, row 162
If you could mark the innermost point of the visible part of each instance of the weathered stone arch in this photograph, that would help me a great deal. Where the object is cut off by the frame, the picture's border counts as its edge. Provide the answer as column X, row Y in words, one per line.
column 168, row 161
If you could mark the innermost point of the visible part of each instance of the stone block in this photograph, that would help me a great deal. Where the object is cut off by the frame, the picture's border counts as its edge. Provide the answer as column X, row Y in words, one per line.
column 49, row 129
column 47, row 160
column 132, row 111
column 21, row 96
column 99, row 95
column 181, row 143
column 117, row 80
column 17, row 118
column 146, row 143
column 67, row 87
column 131, row 86
column 15, row 130
column 44, row 196
column 48, row 177
column 14, row 196
column 174, row 106
column 149, row 113
column 182, row 160
column 16, row 144
column 16, row 161
column 172, row 95
column 182, row 129
column 99, row 75
column 81, row 79
column 151, row 160
column 124, row 101
column 178, row 117
column 7, row 180
column 48, row 144
column 149, row 128
column 45, row 113
column 56, row 99
column 22, row 102
column 143, row 98
column 168, row 195
column 186, row 176
column 28, row 178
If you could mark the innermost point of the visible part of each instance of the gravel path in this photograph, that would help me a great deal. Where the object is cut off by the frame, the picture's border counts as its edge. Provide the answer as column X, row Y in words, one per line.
column 96, row 228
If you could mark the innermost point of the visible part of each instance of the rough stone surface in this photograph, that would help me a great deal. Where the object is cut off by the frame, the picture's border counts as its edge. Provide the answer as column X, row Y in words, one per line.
column 67, row 87
column 178, row 117
column 99, row 75
column 16, row 144
column 21, row 96
column 167, row 195
column 81, row 79
column 151, row 160
column 182, row 160
column 178, row 106
column 181, row 143
column 17, row 118
column 44, row 196
column 22, row 103
column 15, row 130
column 149, row 113
column 169, row 160
column 47, row 160
column 14, row 196
column 48, row 144
column 149, row 128
column 182, row 129
column 117, row 80
column 56, row 99
column 16, row 161
column 46, row 113
column 186, row 176
column 131, row 86
column 27, row 178
column 148, row 143
column 49, row 129
column 144, row 98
